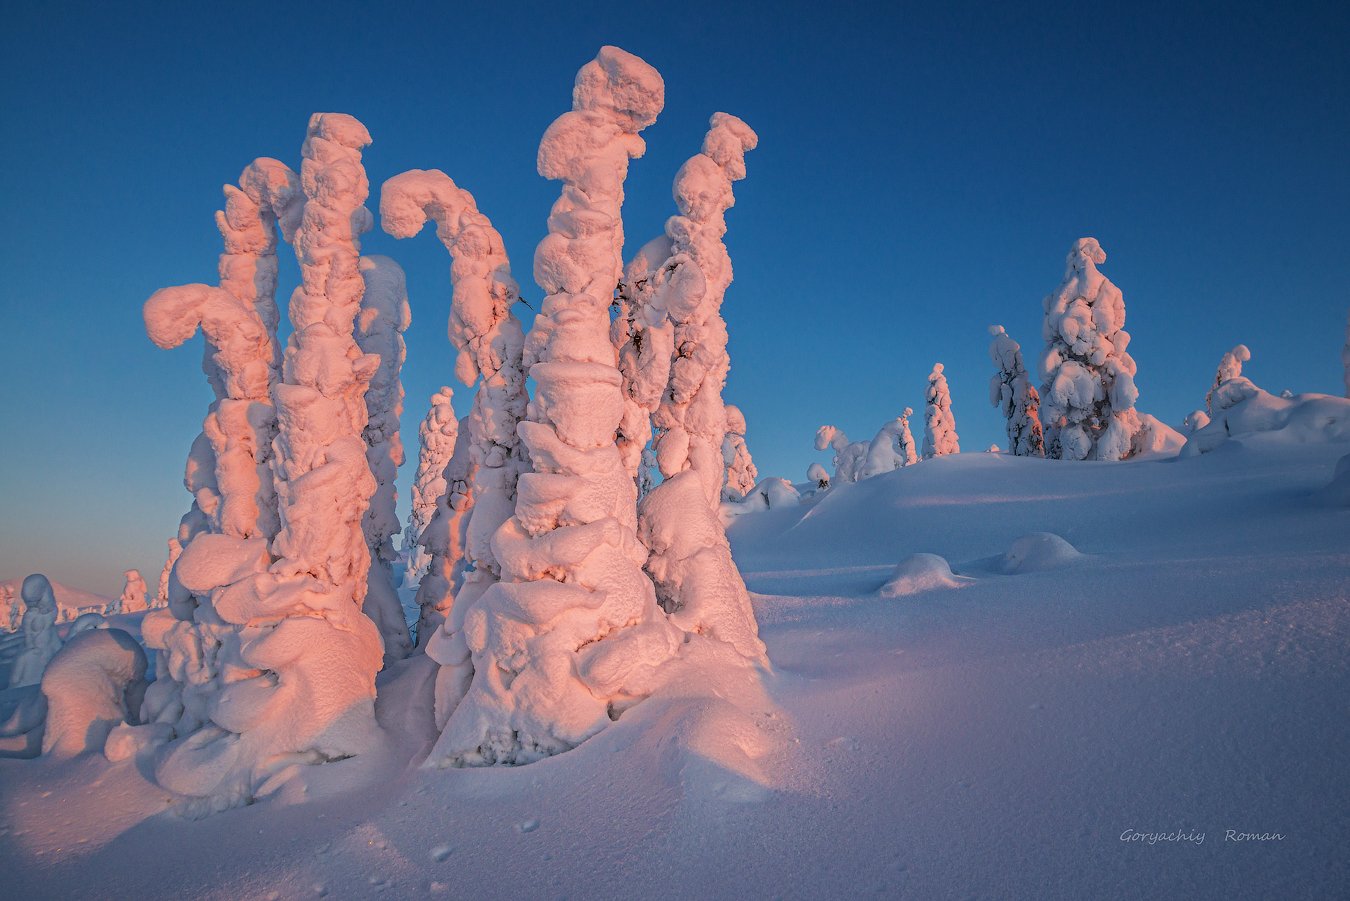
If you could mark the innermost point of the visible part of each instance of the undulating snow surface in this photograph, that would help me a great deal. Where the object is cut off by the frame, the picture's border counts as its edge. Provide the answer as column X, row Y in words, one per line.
column 1184, row 675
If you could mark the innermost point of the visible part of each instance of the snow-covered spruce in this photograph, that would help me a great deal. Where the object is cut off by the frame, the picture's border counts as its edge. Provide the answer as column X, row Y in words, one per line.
column 296, row 662
column 40, row 641
column 816, row 473
column 645, row 339
column 697, row 582
column 572, row 632
column 939, row 425
column 132, row 599
column 481, row 476
column 379, row 330
column 1088, row 394
column 848, row 455
column 1011, row 391
column 435, row 446
column 1230, row 385
column 892, row 448
column 741, row 471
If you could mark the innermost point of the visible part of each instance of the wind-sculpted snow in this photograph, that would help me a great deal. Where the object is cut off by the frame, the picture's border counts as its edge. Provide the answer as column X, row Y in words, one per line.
column 379, row 330
column 1011, row 391
column 939, row 425
column 1245, row 411
column 94, row 683
column 436, row 445
column 482, row 488
column 741, row 472
column 921, row 572
column 572, row 633
column 1087, row 402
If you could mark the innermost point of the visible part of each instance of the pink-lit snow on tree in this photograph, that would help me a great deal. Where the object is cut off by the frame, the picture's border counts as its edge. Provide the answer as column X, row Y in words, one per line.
column 481, row 489
column 939, row 425
column 1230, row 385
column 436, row 445
column 379, row 330
column 742, row 474
column 1087, row 402
column 572, row 630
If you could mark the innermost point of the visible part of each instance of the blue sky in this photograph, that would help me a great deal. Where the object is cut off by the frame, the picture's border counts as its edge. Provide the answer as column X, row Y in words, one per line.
column 922, row 171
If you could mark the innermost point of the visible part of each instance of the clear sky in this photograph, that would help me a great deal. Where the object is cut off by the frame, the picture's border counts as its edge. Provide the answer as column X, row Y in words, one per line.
column 922, row 171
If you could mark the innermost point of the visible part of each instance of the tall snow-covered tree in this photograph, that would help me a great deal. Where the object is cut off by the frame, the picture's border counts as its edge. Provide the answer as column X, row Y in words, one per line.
column 696, row 580
column 379, row 330
column 1088, row 393
column 436, row 445
column 288, row 660
column 741, row 472
column 572, row 628
column 645, row 338
column 1011, row 391
column 939, row 425
column 481, row 489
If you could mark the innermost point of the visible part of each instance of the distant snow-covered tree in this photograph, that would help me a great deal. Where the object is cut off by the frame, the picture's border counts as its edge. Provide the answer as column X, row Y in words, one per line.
column 741, row 473
column 1011, row 391
column 132, row 599
column 848, row 455
column 816, row 473
column 436, row 445
column 1195, row 421
column 892, row 448
column 1087, row 402
column 939, row 425
column 1230, row 386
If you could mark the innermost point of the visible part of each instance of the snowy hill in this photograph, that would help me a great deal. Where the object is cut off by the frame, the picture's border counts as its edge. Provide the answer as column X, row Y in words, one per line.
column 1012, row 736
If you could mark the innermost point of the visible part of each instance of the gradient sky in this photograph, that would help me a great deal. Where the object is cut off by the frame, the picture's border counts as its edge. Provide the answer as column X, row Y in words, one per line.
column 921, row 174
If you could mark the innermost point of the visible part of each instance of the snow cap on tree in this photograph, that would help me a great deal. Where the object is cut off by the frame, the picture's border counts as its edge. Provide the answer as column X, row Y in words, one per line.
column 939, row 432
column 1087, row 402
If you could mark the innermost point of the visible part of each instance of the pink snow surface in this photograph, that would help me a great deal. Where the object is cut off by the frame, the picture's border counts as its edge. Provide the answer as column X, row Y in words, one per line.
column 993, row 741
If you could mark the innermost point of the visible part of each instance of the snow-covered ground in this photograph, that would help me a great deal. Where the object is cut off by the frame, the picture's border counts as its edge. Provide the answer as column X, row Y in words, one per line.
column 1006, row 737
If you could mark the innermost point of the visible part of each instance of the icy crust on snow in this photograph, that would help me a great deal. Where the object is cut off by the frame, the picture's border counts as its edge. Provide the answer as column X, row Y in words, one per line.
column 490, row 343
column 572, row 632
column 94, row 683
column 435, row 446
column 741, row 471
column 379, row 330
column 939, row 425
column 892, row 448
column 1011, row 392
column 38, row 627
column 921, row 572
column 1087, row 402
column 270, row 660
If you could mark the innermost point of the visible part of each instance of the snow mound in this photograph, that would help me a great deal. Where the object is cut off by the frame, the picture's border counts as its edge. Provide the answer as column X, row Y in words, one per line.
column 92, row 684
column 1301, row 419
column 770, row 494
column 1337, row 491
column 1036, row 552
column 922, row 572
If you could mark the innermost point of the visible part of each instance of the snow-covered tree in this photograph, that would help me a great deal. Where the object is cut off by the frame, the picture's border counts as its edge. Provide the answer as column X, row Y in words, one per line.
column 1230, row 386
column 644, row 336
column 848, row 455
column 1195, row 421
column 133, row 593
column 816, row 473
column 481, row 489
column 383, row 318
column 741, row 471
column 284, row 659
column 572, row 628
column 1087, row 402
column 40, row 641
column 436, row 445
column 696, row 580
column 892, row 448
column 939, row 425
column 1011, row 391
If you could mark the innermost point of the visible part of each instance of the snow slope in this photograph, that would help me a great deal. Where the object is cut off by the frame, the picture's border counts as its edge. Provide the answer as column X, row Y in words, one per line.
column 1188, row 672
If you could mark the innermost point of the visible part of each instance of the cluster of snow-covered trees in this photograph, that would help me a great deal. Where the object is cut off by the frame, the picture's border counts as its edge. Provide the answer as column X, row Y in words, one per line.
column 550, row 599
